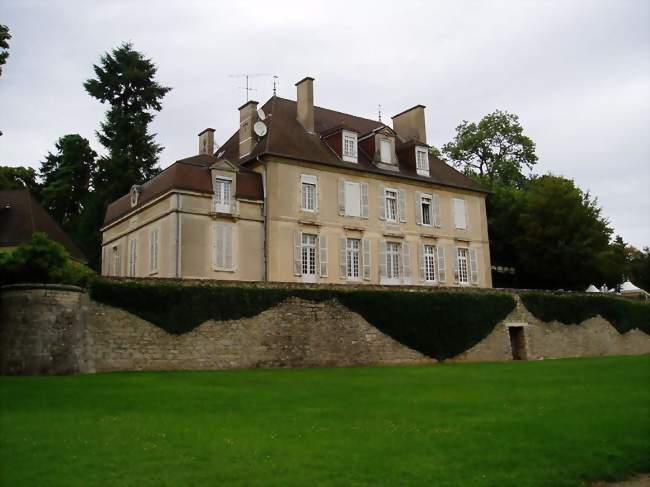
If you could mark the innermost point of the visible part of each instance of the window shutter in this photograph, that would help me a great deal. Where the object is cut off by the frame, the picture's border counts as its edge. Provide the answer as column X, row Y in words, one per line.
column 155, row 250
column 297, row 253
column 228, row 250
column 151, row 251
column 316, row 196
column 442, row 271
column 418, row 208
column 341, row 196
column 364, row 200
column 435, row 209
column 365, row 244
column 401, row 204
column 456, row 266
column 460, row 217
column 382, row 258
column 218, row 246
column 422, row 263
column 301, row 195
column 406, row 262
column 343, row 261
column 382, row 203
column 322, row 242
column 473, row 266
column 118, row 264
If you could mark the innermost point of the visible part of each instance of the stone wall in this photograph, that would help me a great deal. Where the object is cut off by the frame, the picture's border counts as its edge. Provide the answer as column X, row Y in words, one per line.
column 58, row 330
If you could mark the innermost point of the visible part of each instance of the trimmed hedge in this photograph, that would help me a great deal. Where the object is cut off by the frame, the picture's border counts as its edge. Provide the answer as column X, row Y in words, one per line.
column 624, row 315
column 437, row 324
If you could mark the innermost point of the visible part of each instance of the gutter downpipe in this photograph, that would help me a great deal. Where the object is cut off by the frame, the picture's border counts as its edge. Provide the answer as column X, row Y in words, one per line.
column 265, row 263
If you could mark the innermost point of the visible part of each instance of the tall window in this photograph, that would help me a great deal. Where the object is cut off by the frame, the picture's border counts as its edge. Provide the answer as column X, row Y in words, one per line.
column 349, row 146
column 116, row 260
column 223, row 249
column 352, row 199
column 422, row 161
column 153, row 251
column 461, row 256
column 222, row 195
column 425, row 203
column 308, row 254
column 391, row 204
column 392, row 260
column 385, row 150
column 308, row 196
column 133, row 249
column 352, row 256
column 429, row 263
column 460, row 216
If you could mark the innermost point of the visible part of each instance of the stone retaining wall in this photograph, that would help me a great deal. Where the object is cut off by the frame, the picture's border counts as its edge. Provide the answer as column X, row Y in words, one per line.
column 60, row 330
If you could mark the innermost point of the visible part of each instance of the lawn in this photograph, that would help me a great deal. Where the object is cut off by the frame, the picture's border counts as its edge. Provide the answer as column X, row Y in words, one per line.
column 552, row 423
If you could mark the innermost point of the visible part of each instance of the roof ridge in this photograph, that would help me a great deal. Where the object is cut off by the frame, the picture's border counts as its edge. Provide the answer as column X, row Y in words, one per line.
column 339, row 112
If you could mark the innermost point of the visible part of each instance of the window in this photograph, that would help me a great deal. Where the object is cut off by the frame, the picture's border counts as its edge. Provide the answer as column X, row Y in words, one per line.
column 425, row 204
column 429, row 263
column 222, row 195
column 460, row 216
column 153, row 251
column 392, row 260
column 308, row 255
column 385, row 150
column 352, row 257
column 422, row 161
column 349, row 146
column 391, row 204
column 461, row 265
column 308, row 193
column 222, row 246
column 133, row 249
column 116, row 260
column 352, row 199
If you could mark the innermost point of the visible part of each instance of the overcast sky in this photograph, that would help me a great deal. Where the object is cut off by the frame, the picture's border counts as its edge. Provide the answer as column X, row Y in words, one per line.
column 577, row 74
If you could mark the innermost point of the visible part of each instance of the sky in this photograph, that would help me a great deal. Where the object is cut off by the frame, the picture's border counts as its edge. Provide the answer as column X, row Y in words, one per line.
column 576, row 72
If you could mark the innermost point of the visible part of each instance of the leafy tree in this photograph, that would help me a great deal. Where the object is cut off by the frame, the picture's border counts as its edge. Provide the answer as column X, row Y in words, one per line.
column 125, row 79
column 562, row 235
column 18, row 178
column 495, row 148
column 66, row 178
column 4, row 45
column 639, row 267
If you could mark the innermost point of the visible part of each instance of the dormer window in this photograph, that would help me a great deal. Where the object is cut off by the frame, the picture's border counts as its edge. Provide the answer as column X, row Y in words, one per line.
column 422, row 161
column 385, row 151
column 349, row 146
column 222, row 195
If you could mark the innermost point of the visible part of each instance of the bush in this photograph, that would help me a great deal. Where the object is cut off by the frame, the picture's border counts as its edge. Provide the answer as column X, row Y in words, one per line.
column 624, row 315
column 42, row 260
column 437, row 324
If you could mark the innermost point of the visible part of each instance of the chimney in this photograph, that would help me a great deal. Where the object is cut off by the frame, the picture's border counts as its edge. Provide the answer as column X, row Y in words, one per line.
column 206, row 141
column 247, row 117
column 409, row 124
column 306, row 103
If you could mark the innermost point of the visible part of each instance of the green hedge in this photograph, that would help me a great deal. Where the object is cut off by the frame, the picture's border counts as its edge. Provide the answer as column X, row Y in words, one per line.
column 623, row 314
column 438, row 324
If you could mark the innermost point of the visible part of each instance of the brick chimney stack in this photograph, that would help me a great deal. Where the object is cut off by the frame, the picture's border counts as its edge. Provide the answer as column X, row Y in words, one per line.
column 409, row 124
column 247, row 117
column 305, row 112
column 206, row 141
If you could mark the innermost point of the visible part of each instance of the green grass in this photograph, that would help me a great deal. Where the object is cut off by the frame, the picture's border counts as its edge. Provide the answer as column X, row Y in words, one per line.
column 549, row 423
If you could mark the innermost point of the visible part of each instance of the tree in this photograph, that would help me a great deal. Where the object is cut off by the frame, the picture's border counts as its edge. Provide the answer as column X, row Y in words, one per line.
column 495, row 148
column 18, row 178
column 563, row 235
column 639, row 267
column 66, row 178
column 125, row 80
column 4, row 45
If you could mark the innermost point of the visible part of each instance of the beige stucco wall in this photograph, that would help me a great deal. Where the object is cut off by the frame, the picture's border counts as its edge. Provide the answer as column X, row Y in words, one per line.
column 285, row 217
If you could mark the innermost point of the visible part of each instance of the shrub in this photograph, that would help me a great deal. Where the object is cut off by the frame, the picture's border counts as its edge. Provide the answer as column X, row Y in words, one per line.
column 437, row 324
column 624, row 315
column 42, row 260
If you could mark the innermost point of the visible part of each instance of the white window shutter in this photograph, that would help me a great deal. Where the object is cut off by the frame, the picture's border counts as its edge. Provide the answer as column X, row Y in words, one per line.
column 227, row 247
column 382, row 258
column 322, row 242
column 218, row 246
column 365, row 244
column 316, row 196
column 343, row 261
column 364, row 200
column 435, row 209
column 418, row 208
column 442, row 271
column 456, row 265
column 151, row 251
column 460, row 216
column 341, row 196
column 401, row 204
column 473, row 266
column 301, row 195
column 297, row 253
column 422, row 263
column 406, row 261
column 382, row 203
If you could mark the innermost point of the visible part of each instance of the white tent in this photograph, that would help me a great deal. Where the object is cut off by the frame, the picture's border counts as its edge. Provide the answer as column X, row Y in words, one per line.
column 628, row 287
column 592, row 289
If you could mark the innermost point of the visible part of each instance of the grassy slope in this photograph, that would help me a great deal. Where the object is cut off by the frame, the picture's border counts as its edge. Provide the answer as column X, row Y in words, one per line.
column 536, row 423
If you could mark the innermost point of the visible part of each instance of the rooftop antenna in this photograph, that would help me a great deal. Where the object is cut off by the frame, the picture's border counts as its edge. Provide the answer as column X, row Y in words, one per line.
column 379, row 111
column 275, row 83
column 247, row 88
